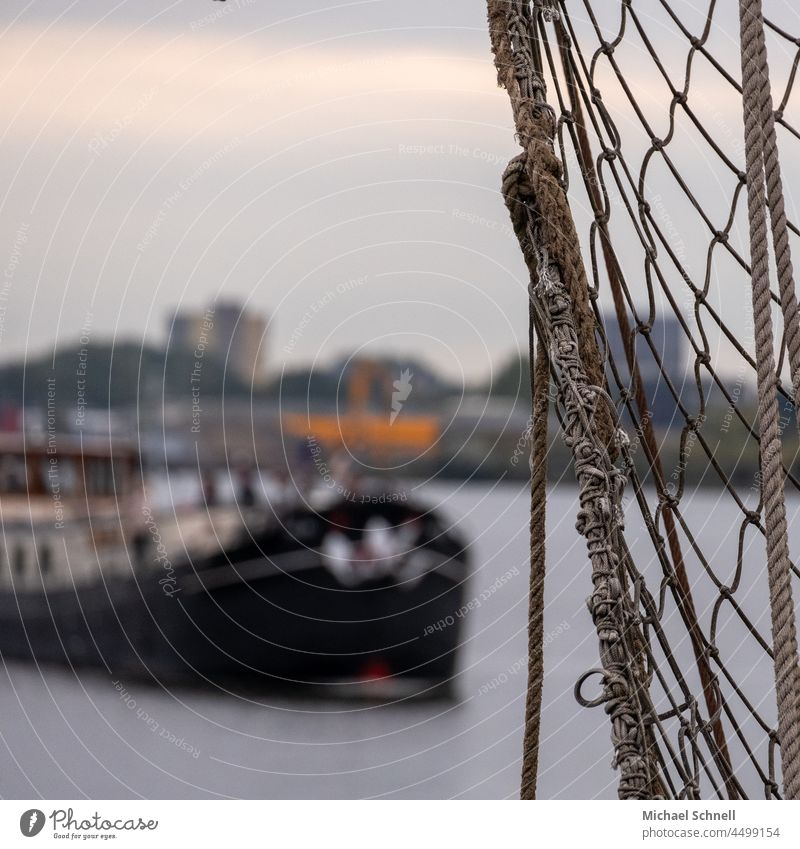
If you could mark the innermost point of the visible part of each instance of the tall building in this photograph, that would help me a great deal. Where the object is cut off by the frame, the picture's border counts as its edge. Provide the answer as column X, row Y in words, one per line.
column 227, row 331
column 670, row 358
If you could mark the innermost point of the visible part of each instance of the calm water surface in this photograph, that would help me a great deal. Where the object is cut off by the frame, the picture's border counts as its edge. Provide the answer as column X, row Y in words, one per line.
column 64, row 736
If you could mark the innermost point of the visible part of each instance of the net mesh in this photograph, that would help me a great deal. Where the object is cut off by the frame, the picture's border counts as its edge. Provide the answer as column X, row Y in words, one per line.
column 649, row 129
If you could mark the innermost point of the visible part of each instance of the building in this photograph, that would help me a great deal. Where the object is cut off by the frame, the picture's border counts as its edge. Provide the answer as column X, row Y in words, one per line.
column 227, row 331
column 667, row 358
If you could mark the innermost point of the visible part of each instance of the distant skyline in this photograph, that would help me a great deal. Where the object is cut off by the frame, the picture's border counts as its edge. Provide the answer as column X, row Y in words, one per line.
column 335, row 166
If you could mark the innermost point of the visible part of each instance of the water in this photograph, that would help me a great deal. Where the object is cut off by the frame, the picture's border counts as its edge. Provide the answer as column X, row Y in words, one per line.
column 65, row 736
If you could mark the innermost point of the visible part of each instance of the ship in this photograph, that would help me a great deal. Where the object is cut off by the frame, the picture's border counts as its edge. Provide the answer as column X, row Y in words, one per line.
column 357, row 592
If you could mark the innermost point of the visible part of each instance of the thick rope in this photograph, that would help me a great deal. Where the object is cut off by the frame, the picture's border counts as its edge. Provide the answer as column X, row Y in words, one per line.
column 600, row 486
column 787, row 672
column 535, row 127
column 777, row 213
column 540, row 376
column 558, row 293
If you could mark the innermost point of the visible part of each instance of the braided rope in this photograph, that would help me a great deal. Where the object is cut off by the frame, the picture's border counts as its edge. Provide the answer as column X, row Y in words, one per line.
column 600, row 521
column 709, row 681
column 777, row 211
column 565, row 323
column 756, row 97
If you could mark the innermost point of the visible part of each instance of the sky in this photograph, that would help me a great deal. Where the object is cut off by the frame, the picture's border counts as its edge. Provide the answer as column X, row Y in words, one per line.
column 335, row 166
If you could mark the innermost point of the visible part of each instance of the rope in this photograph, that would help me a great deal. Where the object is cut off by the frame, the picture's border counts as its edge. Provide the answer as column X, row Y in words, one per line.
column 777, row 212
column 540, row 376
column 709, row 681
column 761, row 156
column 535, row 127
column 639, row 194
column 565, row 323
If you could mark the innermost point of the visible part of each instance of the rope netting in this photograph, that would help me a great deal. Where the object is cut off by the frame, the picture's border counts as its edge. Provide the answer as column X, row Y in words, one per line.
column 653, row 221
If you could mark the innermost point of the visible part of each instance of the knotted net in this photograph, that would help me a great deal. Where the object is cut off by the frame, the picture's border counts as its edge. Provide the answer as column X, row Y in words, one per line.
column 649, row 205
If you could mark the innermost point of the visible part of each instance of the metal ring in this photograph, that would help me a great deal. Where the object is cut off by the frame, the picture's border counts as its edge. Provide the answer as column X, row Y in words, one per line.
column 589, row 703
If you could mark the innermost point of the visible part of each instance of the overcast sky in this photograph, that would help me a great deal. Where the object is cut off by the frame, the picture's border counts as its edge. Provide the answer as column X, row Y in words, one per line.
column 334, row 165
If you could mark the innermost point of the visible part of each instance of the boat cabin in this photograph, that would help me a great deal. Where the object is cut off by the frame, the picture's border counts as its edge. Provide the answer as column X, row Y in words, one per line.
column 66, row 506
column 69, row 466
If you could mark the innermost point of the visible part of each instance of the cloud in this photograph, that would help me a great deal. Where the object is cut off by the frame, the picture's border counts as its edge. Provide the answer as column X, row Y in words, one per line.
column 107, row 81
column 276, row 162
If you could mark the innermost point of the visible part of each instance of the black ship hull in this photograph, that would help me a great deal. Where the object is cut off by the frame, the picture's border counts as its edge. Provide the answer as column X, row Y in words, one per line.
column 276, row 608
